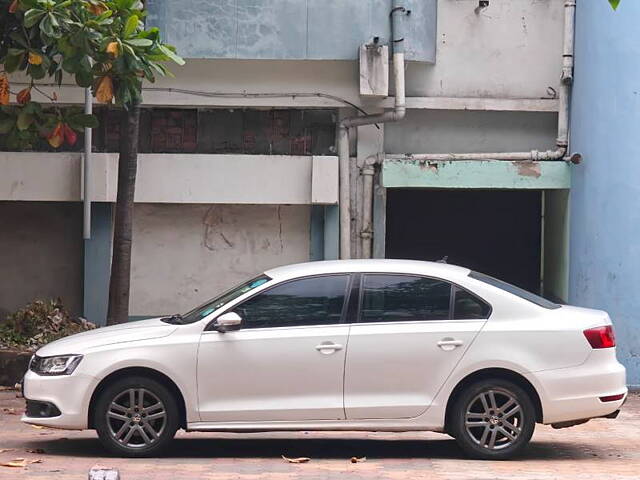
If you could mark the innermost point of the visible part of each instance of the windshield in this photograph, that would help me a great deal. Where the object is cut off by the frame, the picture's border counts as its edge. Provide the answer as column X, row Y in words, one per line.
column 214, row 304
column 507, row 287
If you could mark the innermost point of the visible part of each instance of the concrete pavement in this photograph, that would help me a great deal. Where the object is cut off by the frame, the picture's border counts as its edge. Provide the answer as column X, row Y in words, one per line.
column 600, row 449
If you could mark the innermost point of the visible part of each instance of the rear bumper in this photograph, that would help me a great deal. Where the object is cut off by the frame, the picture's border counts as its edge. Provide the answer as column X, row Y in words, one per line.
column 570, row 394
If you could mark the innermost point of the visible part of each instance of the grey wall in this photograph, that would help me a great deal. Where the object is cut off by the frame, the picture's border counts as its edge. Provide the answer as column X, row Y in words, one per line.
column 186, row 254
column 40, row 254
column 444, row 131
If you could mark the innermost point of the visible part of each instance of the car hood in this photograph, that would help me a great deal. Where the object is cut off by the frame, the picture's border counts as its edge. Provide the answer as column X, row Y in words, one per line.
column 127, row 332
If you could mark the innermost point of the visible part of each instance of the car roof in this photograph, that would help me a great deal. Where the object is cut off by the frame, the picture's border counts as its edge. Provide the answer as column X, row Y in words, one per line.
column 369, row 265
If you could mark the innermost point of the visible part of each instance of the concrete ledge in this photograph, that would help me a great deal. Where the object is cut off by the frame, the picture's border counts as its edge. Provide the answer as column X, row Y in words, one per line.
column 13, row 366
column 476, row 174
column 174, row 178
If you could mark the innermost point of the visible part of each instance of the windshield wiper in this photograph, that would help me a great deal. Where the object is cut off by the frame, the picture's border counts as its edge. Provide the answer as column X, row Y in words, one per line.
column 173, row 319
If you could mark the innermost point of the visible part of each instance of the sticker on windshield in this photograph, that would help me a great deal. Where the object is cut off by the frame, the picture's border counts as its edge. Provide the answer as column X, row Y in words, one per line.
column 258, row 282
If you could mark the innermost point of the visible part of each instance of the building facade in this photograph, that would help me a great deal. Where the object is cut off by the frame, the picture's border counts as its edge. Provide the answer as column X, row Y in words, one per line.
column 239, row 169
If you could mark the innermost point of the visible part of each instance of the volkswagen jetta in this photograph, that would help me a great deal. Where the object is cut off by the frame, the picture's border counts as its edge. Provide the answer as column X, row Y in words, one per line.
column 384, row 345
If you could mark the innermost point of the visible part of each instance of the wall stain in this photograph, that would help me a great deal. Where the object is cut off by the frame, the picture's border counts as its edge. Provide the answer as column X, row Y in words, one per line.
column 528, row 168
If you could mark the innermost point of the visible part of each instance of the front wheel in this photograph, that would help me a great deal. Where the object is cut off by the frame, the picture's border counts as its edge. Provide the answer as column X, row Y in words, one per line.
column 493, row 419
column 136, row 417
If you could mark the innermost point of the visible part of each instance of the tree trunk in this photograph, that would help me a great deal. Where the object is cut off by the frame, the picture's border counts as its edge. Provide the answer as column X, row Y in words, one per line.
column 123, row 222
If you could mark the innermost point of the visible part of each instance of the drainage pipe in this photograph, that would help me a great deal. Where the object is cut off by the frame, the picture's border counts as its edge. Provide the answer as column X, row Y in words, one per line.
column 368, row 172
column 398, row 113
column 562, row 141
column 86, row 180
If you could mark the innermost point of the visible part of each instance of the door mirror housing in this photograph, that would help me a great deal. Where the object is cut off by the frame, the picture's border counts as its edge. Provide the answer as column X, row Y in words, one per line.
column 227, row 322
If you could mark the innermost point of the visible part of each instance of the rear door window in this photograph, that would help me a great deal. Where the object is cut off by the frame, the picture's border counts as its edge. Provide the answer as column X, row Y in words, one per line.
column 404, row 298
column 467, row 306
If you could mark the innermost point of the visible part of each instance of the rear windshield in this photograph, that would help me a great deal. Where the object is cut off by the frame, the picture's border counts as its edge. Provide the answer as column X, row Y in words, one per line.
column 507, row 287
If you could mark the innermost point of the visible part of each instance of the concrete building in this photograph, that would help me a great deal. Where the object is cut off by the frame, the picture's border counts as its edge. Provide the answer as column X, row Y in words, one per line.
column 240, row 171
column 605, row 199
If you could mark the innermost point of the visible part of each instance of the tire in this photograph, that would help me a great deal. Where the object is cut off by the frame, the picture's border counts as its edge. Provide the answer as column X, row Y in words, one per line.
column 505, row 415
column 139, row 429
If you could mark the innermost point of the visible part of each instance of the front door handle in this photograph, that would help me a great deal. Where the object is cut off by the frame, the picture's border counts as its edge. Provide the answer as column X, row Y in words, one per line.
column 449, row 343
column 328, row 348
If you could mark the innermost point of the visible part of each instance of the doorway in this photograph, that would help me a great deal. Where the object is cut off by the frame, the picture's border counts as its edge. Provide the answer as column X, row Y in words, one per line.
column 497, row 232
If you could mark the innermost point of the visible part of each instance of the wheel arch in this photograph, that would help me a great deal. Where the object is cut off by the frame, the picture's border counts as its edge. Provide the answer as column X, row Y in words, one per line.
column 500, row 373
column 141, row 372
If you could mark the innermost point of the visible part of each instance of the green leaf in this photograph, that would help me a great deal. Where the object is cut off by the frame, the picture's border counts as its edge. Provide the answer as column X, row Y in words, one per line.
column 12, row 62
column 25, row 119
column 71, row 64
column 19, row 39
column 32, row 107
column 6, row 125
column 84, row 78
column 130, row 26
column 614, row 3
column 83, row 121
column 172, row 56
column 139, row 42
column 36, row 71
column 46, row 27
column 33, row 16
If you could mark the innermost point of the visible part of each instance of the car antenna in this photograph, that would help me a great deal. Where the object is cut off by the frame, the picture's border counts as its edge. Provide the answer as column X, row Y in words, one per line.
column 443, row 259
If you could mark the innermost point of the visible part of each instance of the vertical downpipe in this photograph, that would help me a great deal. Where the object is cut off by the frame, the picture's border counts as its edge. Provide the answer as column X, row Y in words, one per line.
column 86, row 212
column 345, row 217
column 399, row 110
column 567, row 73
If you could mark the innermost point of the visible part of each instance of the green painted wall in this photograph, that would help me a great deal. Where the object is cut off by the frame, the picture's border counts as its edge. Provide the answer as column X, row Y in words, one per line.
column 476, row 174
column 556, row 245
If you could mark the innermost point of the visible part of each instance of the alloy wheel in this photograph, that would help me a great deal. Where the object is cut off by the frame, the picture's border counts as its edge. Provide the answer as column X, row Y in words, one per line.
column 494, row 419
column 136, row 418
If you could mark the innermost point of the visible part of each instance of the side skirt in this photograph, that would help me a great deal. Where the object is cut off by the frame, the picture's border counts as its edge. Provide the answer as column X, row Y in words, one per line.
column 321, row 425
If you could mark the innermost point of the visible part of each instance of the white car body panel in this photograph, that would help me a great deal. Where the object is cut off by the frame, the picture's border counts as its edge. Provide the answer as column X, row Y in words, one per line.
column 374, row 388
column 288, row 378
column 275, row 379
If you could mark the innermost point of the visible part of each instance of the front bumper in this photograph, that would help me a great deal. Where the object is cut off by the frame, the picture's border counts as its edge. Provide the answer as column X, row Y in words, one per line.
column 71, row 395
column 573, row 394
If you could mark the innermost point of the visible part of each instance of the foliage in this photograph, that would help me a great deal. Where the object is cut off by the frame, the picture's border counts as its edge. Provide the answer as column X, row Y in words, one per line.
column 38, row 323
column 614, row 3
column 103, row 45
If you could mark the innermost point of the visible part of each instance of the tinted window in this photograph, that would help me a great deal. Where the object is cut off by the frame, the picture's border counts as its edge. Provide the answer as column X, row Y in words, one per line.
column 468, row 306
column 389, row 298
column 507, row 287
column 308, row 301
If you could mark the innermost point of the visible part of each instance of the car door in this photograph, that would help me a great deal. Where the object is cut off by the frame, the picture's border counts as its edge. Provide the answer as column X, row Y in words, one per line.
column 286, row 363
column 411, row 333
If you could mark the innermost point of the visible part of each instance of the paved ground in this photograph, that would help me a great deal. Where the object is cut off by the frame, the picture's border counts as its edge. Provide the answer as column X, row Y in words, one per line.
column 600, row 449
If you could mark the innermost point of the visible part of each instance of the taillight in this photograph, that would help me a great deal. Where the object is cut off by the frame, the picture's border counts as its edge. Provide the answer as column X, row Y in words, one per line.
column 601, row 337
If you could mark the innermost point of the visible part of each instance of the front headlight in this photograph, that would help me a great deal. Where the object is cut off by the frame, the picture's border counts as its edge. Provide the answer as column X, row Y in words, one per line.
column 58, row 365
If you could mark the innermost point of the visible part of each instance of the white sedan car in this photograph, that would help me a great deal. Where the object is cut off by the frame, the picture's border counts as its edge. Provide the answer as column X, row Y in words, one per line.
column 384, row 345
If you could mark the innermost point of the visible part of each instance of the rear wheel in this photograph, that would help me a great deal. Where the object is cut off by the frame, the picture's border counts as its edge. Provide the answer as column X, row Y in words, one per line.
column 136, row 417
column 493, row 419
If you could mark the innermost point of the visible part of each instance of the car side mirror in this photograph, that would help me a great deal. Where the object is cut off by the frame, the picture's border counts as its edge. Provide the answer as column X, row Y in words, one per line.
column 227, row 322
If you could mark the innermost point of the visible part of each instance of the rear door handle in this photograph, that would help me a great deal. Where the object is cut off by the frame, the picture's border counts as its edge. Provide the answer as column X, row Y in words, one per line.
column 328, row 348
column 450, row 343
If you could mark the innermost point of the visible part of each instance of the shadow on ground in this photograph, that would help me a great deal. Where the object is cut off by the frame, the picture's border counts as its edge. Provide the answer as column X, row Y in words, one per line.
column 315, row 448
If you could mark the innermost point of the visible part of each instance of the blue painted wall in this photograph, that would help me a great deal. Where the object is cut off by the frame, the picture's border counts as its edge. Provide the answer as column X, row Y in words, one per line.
column 605, row 199
column 97, row 264
column 289, row 29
